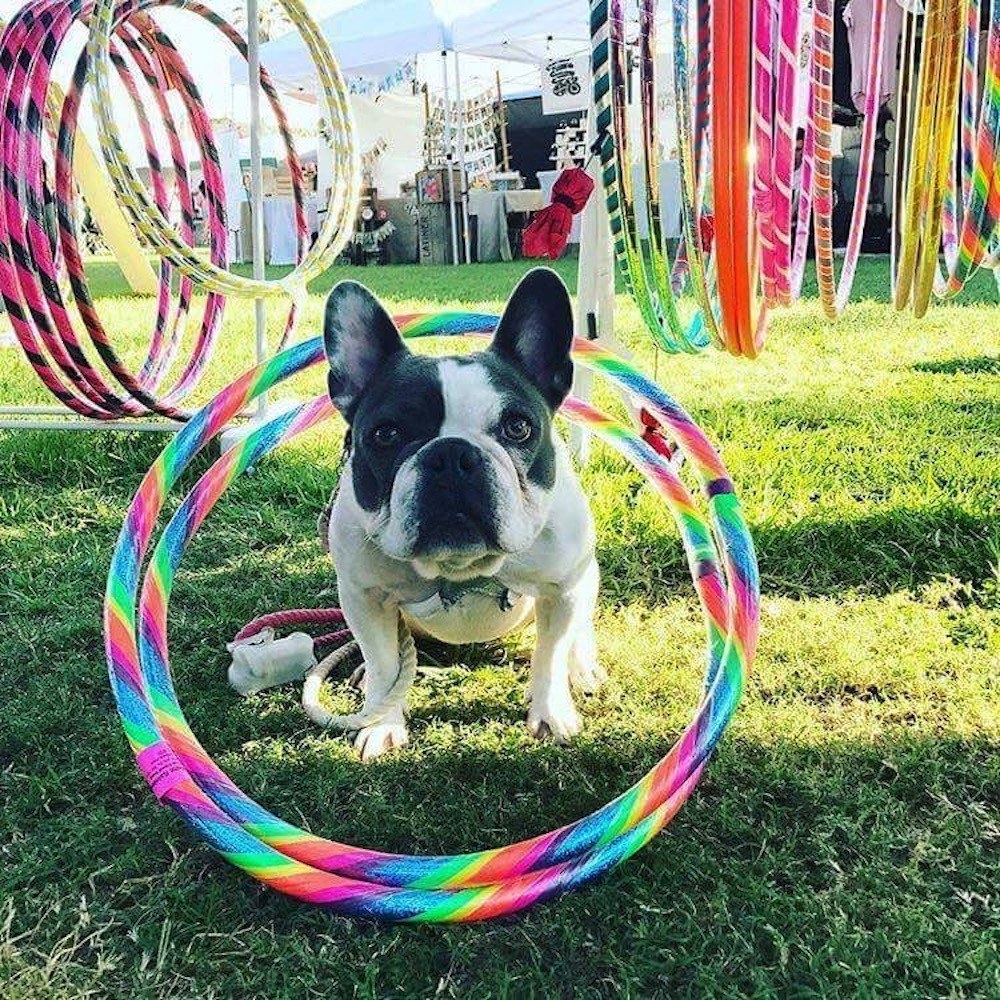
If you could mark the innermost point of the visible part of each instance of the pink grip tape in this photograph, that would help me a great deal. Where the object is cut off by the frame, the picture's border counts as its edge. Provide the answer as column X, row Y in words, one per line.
column 161, row 768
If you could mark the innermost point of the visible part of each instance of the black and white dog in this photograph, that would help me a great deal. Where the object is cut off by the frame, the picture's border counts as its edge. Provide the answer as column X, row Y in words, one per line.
column 458, row 506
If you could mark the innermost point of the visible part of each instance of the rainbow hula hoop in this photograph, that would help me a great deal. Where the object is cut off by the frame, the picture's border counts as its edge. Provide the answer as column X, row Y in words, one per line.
column 369, row 883
column 972, row 216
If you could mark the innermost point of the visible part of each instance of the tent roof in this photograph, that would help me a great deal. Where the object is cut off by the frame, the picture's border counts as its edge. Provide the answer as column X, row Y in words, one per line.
column 373, row 37
column 503, row 23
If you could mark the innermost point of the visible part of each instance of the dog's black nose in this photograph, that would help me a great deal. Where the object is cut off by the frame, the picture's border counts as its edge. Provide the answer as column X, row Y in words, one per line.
column 455, row 499
column 453, row 457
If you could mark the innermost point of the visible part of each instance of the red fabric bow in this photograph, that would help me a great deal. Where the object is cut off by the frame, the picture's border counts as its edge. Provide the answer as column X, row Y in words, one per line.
column 706, row 226
column 652, row 434
column 548, row 233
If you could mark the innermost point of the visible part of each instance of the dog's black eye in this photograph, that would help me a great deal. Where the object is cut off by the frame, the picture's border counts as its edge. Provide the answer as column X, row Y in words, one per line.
column 516, row 428
column 385, row 435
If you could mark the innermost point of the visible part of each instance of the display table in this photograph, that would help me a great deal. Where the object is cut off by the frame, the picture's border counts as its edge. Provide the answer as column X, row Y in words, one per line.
column 489, row 209
column 524, row 201
column 279, row 227
column 280, row 244
column 670, row 200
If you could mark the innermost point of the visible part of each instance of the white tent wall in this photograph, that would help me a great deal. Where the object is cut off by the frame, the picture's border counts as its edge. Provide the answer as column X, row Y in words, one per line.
column 505, row 23
column 398, row 121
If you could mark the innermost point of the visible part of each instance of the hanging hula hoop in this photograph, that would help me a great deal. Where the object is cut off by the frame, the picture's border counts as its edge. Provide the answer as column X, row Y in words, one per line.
column 150, row 220
column 743, row 319
column 365, row 882
column 693, row 149
column 817, row 175
column 646, row 271
column 931, row 121
column 34, row 255
column 776, row 45
column 972, row 216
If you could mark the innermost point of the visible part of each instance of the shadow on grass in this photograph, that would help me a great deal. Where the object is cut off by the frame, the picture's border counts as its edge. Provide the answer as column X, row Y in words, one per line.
column 807, row 861
column 529, row 786
column 983, row 365
column 878, row 554
column 779, row 839
column 875, row 554
column 901, row 549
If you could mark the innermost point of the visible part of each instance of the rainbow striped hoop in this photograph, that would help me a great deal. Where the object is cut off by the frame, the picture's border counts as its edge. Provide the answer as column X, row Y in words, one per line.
column 356, row 881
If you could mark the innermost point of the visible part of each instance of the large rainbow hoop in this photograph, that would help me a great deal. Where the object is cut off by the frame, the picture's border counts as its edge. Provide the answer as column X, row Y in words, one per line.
column 364, row 882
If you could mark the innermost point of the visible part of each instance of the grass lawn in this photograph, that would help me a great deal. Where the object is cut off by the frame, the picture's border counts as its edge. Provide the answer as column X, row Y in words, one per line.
column 844, row 842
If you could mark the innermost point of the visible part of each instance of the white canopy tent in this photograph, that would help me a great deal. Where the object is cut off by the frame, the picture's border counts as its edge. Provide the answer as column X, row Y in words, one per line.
column 373, row 38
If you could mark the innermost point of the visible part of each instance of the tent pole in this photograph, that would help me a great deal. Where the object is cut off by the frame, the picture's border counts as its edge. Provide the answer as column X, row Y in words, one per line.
column 256, row 184
column 595, row 293
column 448, row 160
column 501, row 111
column 463, row 180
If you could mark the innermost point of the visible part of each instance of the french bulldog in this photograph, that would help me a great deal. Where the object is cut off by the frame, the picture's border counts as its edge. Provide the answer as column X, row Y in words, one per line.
column 458, row 506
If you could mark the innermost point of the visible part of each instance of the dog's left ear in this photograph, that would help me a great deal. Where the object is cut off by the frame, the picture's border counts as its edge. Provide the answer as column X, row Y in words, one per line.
column 536, row 334
column 359, row 337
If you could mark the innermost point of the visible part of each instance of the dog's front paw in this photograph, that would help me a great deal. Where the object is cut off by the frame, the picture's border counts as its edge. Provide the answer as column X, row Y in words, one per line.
column 374, row 741
column 553, row 718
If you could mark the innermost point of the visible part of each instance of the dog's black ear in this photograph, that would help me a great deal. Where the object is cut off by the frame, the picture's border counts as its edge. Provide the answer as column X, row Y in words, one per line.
column 359, row 337
column 536, row 334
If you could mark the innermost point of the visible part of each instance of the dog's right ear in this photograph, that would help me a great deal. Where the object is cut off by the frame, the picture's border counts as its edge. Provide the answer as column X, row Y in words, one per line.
column 359, row 338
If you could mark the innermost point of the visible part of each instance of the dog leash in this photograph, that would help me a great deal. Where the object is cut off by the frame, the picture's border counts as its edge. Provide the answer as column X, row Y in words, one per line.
column 394, row 699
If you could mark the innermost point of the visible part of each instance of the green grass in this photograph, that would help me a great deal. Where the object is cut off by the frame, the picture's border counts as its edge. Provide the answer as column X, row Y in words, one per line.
column 844, row 842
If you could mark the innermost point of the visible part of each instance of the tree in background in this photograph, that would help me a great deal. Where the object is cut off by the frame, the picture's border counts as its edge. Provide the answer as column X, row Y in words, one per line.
column 274, row 21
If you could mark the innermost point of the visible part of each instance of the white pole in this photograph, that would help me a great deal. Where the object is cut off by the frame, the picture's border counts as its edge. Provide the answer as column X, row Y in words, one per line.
column 587, row 315
column 256, row 183
column 467, row 235
column 448, row 160
column 595, row 293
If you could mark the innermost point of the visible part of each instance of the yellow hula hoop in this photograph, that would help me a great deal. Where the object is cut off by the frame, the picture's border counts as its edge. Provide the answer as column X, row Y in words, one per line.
column 931, row 125
column 946, row 121
column 164, row 237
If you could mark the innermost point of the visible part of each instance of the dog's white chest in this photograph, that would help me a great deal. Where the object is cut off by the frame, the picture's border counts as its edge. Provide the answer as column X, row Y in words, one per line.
column 477, row 611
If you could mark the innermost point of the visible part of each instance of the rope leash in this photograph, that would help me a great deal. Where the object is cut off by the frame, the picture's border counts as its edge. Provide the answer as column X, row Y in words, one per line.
column 393, row 701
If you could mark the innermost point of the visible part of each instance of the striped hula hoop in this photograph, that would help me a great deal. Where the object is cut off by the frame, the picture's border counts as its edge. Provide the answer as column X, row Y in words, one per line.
column 37, row 253
column 931, row 122
column 972, row 215
column 645, row 269
column 363, row 882
column 157, row 229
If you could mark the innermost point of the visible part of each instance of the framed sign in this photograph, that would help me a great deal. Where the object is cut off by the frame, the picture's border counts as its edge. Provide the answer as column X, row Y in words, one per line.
column 566, row 84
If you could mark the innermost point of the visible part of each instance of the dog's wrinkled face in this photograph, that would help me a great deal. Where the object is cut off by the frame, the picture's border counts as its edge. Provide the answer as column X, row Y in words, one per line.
column 452, row 459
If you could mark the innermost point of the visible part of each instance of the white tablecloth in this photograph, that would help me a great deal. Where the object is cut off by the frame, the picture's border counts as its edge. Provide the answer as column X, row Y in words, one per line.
column 279, row 225
column 526, row 200
column 312, row 213
column 490, row 210
column 670, row 200
column 279, row 244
